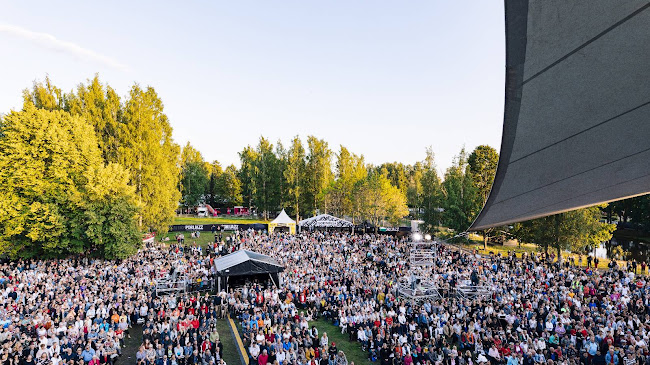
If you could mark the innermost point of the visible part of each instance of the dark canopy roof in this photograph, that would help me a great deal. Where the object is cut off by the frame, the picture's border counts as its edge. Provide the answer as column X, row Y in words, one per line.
column 577, row 112
column 244, row 262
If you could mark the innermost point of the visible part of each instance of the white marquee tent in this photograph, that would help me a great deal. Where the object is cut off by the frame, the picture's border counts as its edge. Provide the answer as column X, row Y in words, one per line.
column 283, row 220
column 324, row 221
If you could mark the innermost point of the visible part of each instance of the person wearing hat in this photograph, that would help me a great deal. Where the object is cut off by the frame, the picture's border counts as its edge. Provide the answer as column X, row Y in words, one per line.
column 332, row 350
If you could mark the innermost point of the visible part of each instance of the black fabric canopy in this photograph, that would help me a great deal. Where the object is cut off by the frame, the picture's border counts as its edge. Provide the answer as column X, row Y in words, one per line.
column 577, row 111
column 244, row 262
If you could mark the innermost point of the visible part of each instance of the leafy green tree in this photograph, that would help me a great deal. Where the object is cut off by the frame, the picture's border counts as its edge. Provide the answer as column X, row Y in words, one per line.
column 350, row 169
column 100, row 106
column 212, row 195
column 376, row 199
column 44, row 95
column 578, row 231
column 396, row 173
column 195, row 176
column 150, row 155
column 414, row 190
column 55, row 189
column 281, row 200
column 483, row 163
column 261, row 176
column 430, row 193
column 294, row 176
column 635, row 211
column 319, row 173
column 109, row 214
column 460, row 201
column 265, row 178
column 247, row 157
column 228, row 187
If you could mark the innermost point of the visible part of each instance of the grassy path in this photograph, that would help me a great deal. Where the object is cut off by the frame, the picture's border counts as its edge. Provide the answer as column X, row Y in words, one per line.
column 131, row 345
column 530, row 248
column 203, row 240
column 230, row 353
column 352, row 350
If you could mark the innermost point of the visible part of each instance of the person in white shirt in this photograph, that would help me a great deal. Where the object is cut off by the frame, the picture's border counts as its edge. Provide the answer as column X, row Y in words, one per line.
column 281, row 356
column 324, row 340
column 254, row 350
column 494, row 353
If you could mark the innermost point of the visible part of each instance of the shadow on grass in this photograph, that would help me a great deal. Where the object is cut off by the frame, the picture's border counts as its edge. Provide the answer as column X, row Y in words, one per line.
column 352, row 350
column 230, row 353
column 131, row 345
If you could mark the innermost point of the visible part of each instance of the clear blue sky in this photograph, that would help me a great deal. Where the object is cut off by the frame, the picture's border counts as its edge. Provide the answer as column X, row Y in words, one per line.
column 384, row 78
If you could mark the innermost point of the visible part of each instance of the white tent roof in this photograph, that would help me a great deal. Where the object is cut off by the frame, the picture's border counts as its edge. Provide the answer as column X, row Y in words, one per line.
column 260, row 262
column 325, row 221
column 283, row 218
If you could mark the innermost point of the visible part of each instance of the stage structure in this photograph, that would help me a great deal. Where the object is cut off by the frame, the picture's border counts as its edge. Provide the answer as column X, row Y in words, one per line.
column 421, row 285
column 577, row 106
column 423, row 253
column 418, row 285
column 473, row 291
column 173, row 283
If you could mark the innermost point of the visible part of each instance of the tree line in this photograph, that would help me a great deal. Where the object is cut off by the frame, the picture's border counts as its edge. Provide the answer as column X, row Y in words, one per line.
column 85, row 171
column 88, row 170
column 310, row 178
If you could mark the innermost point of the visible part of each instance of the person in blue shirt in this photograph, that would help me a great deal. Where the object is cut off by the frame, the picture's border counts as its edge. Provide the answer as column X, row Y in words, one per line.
column 611, row 357
column 88, row 354
column 592, row 346
column 513, row 360
column 286, row 345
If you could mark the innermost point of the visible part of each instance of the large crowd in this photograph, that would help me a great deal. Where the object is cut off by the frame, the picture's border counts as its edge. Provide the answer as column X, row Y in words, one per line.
column 80, row 311
column 539, row 311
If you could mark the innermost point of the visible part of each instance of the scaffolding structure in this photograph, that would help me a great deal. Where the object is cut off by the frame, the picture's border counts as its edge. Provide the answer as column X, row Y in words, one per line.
column 417, row 288
column 473, row 291
column 419, row 285
column 173, row 283
column 423, row 254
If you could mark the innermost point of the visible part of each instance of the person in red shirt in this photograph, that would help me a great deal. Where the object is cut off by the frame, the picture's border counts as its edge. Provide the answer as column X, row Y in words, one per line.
column 389, row 321
column 263, row 358
column 505, row 351
column 206, row 345
column 302, row 299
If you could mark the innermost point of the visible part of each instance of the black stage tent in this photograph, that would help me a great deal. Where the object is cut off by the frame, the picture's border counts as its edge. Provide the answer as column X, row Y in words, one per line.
column 244, row 265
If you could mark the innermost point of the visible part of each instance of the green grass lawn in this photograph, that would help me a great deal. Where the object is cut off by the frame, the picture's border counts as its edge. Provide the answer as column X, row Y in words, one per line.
column 217, row 220
column 204, row 239
column 527, row 248
column 475, row 242
column 352, row 350
column 230, row 352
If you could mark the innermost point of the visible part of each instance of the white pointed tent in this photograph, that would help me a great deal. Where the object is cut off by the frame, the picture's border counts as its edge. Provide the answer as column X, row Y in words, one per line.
column 283, row 220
